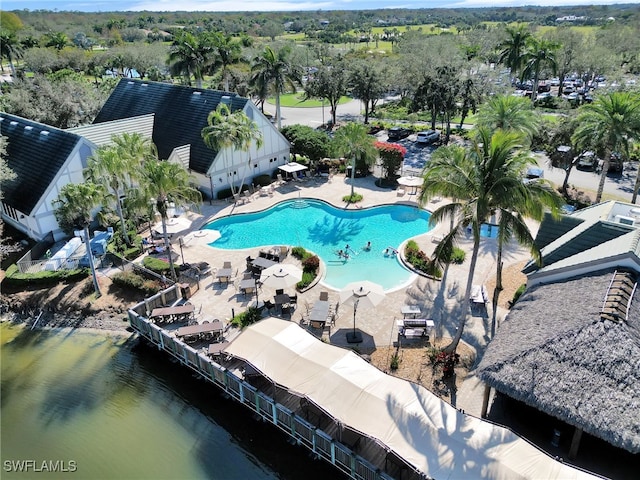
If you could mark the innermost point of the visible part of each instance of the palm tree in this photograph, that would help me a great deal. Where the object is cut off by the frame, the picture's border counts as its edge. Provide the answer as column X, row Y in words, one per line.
column 606, row 126
column 229, row 53
column 57, row 40
column 167, row 182
column 513, row 47
column 73, row 207
column 231, row 131
column 10, row 49
column 509, row 113
column 482, row 179
column 352, row 141
column 189, row 56
column 275, row 70
column 540, row 54
column 118, row 166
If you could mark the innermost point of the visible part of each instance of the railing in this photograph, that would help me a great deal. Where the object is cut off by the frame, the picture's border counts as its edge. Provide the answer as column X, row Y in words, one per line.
column 300, row 430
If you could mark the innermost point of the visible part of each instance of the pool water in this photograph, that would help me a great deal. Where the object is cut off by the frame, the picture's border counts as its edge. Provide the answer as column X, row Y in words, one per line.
column 324, row 230
column 488, row 230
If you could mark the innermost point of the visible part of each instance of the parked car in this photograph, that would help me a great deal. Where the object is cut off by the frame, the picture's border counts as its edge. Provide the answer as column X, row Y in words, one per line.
column 588, row 161
column 398, row 133
column 533, row 174
column 427, row 137
column 616, row 164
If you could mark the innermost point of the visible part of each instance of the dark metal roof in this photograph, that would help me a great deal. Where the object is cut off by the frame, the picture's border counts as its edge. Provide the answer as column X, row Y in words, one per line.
column 36, row 153
column 557, row 353
column 552, row 229
column 180, row 114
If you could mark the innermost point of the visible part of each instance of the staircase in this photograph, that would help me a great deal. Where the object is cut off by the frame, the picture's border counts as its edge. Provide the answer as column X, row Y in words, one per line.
column 298, row 204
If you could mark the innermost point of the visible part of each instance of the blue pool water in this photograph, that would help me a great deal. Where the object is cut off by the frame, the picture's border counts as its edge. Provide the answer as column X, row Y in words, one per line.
column 324, row 229
column 488, row 230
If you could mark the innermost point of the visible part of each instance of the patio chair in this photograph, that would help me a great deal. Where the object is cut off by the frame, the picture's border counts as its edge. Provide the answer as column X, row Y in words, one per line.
column 279, row 291
column 280, row 180
column 324, row 295
column 226, row 264
column 269, row 305
column 294, row 299
column 400, row 192
column 247, row 195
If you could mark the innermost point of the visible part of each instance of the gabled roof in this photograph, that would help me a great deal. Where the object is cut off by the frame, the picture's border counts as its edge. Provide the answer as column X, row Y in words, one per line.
column 101, row 134
column 180, row 114
column 552, row 229
column 36, row 153
column 557, row 352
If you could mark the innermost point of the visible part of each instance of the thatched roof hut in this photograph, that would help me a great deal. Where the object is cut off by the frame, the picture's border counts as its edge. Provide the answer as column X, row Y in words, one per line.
column 564, row 351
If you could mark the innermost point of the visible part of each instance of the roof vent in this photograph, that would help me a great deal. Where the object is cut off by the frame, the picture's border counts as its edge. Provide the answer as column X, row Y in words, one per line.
column 131, row 83
column 144, row 85
column 13, row 122
column 226, row 99
column 28, row 127
column 197, row 93
column 44, row 132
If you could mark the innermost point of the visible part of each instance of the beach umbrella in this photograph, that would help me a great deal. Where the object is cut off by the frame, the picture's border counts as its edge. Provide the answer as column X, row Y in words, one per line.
column 360, row 294
column 200, row 237
column 411, row 181
column 280, row 276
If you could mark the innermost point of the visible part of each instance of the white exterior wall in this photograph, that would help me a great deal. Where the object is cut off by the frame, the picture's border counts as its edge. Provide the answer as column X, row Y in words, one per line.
column 235, row 167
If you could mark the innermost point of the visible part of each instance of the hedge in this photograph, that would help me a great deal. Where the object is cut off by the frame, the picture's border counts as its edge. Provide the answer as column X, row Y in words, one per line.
column 43, row 278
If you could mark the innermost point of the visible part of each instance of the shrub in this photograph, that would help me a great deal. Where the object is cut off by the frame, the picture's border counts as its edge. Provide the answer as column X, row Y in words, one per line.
column 307, row 279
column 518, row 293
column 457, row 256
column 395, row 361
column 420, row 261
column 42, row 278
column 157, row 265
column 262, row 180
column 132, row 280
column 356, row 197
column 226, row 192
column 246, row 318
column 311, row 264
column 298, row 252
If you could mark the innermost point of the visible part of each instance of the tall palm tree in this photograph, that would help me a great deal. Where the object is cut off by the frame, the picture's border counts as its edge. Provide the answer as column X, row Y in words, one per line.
column 482, row 179
column 608, row 125
column 167, row 182
column 118, row 166
column 57, row 40
column 275, row 70
column 352, row 141
column 540, row 54
column 509, row 113
column 229, row 52
column 513, row 47
column 231, row 131
column 189, row 56
column 73, row 207
column 10, row 49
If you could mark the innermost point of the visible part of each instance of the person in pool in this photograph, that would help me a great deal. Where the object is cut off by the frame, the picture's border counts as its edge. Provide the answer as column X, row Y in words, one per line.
column 367, row 247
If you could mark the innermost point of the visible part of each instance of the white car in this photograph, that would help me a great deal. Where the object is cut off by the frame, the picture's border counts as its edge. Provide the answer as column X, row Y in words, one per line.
column 428, row 137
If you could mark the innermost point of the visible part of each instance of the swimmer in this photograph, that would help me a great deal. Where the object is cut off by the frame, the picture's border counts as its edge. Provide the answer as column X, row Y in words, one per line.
column 347, row 247
column 340, row 253
column 367, row 247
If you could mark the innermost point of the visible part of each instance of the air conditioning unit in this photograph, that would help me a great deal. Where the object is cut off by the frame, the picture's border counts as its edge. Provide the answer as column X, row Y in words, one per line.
column 625, row 220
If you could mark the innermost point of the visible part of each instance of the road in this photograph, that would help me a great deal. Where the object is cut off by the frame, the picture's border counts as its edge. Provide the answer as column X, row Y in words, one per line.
column 617, row 186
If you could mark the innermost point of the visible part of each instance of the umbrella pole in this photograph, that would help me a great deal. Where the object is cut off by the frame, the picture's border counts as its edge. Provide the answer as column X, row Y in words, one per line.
column 354, row 337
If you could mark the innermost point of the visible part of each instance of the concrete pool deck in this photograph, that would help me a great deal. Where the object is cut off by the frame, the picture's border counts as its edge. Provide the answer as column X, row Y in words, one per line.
column 438, row 300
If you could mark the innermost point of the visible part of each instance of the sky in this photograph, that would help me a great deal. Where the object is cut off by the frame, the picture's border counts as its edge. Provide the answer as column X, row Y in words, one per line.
column 275, row 5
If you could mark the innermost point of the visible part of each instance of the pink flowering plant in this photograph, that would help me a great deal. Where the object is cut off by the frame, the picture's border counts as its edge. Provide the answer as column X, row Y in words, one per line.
column 391, row 155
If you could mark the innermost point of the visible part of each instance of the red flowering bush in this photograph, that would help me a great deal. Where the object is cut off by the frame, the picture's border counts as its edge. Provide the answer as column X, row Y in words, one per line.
column 391, row 155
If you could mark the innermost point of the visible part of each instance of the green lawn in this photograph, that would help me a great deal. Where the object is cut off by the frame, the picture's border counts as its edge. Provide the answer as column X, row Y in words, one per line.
column 296, row 100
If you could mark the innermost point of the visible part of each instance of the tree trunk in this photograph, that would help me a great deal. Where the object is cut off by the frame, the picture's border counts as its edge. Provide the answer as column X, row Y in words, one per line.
column 565, row 183
column 636, row 187
column 467, row 294
column 497, row 290
column 167, row 246
column 120, row 214
column 603, row 175
column 353, row 175
column 278, row 110
column 87, row 243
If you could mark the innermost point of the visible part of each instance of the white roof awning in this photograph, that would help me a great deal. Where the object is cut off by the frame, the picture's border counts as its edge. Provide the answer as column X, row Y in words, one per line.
column 422, row 429
column 292, row 167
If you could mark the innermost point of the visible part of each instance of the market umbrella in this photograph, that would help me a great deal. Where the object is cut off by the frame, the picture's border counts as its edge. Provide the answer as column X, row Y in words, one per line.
column 280, row 275
column 360, row 294
column 174, row 225
column 411, row 181
column 200, row 237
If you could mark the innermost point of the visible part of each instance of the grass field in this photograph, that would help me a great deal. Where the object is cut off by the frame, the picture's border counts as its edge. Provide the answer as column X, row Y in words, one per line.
column 296, row 100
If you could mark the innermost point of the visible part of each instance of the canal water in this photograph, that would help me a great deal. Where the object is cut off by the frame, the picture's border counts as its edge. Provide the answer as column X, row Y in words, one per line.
column 96, row 406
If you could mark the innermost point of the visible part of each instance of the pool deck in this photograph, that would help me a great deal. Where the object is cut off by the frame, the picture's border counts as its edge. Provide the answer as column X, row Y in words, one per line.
column 438, row 300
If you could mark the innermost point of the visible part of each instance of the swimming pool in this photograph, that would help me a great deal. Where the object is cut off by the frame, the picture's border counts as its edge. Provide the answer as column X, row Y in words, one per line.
column 324, row 230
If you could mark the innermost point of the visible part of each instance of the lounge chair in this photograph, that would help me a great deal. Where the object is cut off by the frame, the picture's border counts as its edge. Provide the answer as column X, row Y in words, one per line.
column 400, row 192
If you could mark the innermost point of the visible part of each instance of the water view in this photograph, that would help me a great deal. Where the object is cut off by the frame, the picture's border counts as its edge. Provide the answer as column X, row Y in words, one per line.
column 112, row 407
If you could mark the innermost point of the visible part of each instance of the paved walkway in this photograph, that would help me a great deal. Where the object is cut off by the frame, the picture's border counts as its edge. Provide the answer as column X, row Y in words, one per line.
column 439, row 300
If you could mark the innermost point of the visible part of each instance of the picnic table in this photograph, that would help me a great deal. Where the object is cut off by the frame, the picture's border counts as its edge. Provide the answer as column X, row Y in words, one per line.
column 319, row 312
column 224, row 274
column 262, row 263
column 247, row 285
column 200, row 330
column 179, row 312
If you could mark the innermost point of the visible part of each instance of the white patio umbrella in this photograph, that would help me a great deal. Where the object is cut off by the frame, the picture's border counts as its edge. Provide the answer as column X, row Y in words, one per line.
column 365, row 294
column 174, row 225
column 200, row 237
column 280, row 275
column 410, row 181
